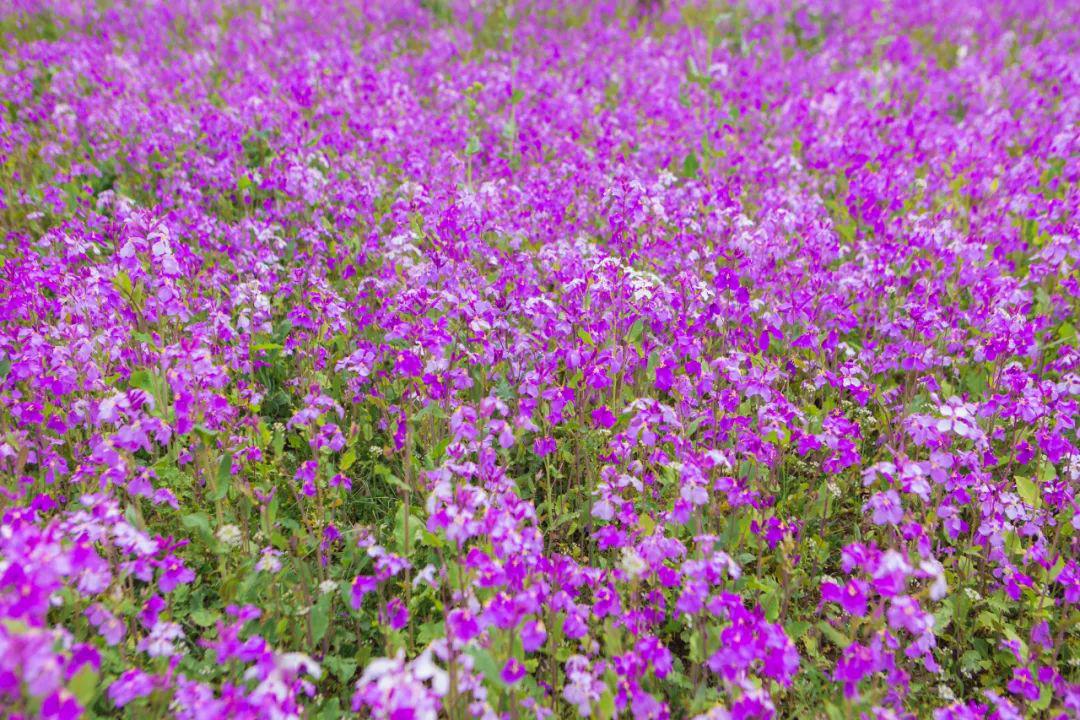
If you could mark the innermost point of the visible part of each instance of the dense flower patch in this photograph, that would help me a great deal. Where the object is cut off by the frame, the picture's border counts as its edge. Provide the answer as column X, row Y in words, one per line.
column 484, row 359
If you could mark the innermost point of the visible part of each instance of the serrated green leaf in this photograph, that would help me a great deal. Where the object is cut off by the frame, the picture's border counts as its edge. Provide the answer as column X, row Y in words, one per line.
column 343, row 668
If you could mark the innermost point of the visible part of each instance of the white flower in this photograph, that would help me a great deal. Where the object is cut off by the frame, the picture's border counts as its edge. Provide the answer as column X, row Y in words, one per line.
column 936, row 571
column 159, row 642
column 327, row 586
column 959, row 418
column 277, row 682
column 632, row 563
column 426, row 575
column 230, row 535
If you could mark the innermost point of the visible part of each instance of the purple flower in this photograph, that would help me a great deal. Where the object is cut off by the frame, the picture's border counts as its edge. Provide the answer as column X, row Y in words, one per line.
column 852, row 596
column 132, row 684
column 461, row 626
column 1023, row 684
column 533, row 635
column 512, row 671
column 544, row 446
column 396, row 615
column 361, row 586
column 108, row 625
column 904, row 612
column 887, row 508
column 173, row 573
column 603, row 418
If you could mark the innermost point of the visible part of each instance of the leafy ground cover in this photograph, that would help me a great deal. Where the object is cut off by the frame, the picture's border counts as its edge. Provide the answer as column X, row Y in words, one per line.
column 550, row 359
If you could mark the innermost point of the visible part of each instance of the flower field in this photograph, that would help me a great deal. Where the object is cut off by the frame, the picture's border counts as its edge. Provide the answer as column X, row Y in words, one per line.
column 478, row 359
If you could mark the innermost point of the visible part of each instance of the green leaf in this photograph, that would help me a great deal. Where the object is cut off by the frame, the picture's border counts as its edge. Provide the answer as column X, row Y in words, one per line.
column 141, row 379
column 430, row 631
column 473, row 146
column 385, row 473
column 347, row 460
column 224, row 476
column 838, row 638
column 320, row 617
column 1029, row 491
column 607, row 706
column 509, row 129
column 1066, row 332
column 770, row 603
column 1046, row 695
column 122, row 282
column 795, row 629
column 636, row 331
column 691, row 166
column 431, row 409
column 84, row 685
column 487, row 665
column 585, row 337
column 203, row 617
column 343, row 668
column 200, row 524
column 943, row 618
column 332, row 709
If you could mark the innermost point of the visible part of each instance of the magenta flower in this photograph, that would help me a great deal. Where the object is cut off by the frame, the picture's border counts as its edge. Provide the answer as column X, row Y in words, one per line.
column 461, row 626
column 533, row 635
column 851, row 596
column 512, row 671
column 361, row 586
column 131, row 685
column 603, row 418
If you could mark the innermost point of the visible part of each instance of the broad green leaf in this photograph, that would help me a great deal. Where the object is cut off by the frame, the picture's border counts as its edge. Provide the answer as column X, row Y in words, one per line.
column 84, row 684
column 838, row 638
column 691, row 166
column 320, row 616
column 636, row 331
column 1028, row 490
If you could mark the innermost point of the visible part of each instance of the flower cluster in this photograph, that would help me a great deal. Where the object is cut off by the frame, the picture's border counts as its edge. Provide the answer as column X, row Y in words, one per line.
column 486, row 359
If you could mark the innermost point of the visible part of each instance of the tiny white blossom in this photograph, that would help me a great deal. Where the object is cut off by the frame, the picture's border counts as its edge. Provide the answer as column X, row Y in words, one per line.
column 230, row 535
